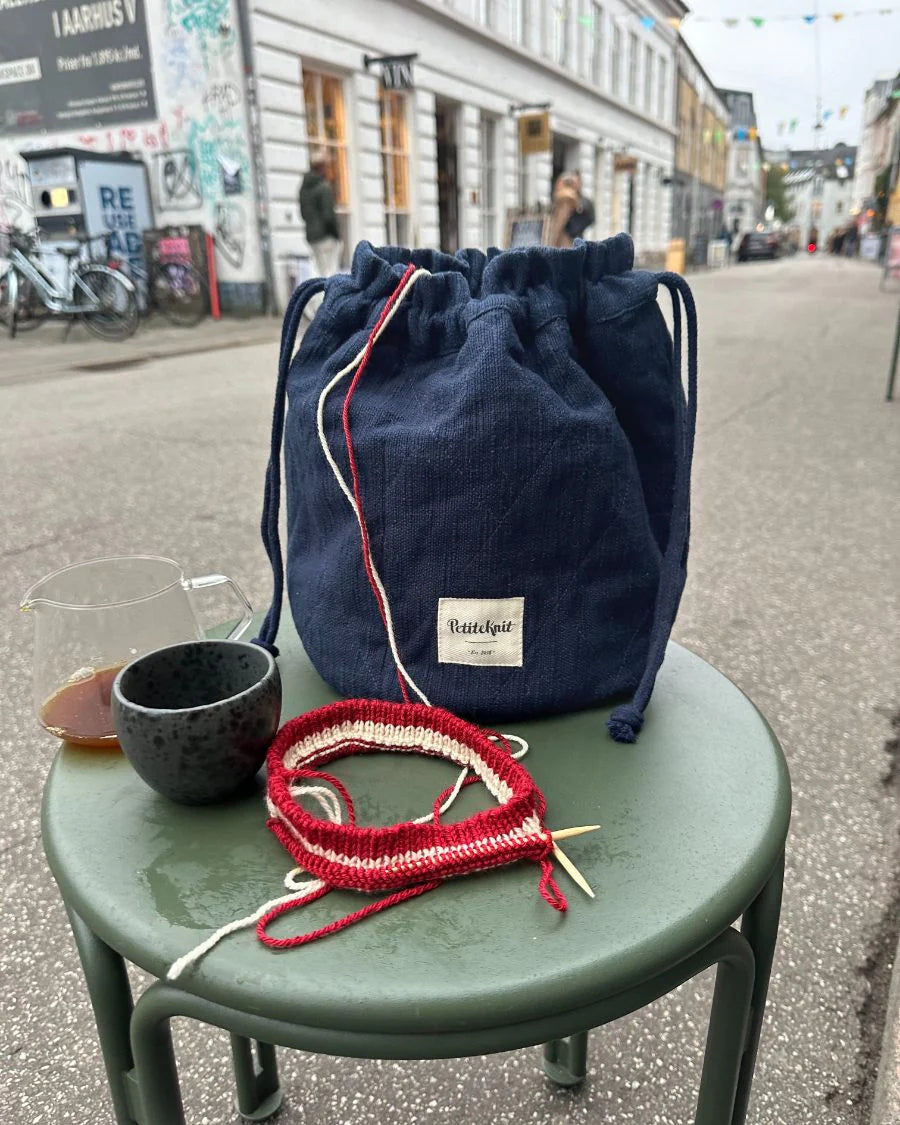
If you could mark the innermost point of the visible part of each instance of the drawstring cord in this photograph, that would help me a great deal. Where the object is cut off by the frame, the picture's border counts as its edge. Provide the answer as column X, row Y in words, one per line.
column 272, row 494
column 626, row 720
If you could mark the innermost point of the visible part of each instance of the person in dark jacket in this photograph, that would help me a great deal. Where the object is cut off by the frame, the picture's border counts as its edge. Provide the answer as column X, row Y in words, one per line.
column 317, row 209
column 583, row 215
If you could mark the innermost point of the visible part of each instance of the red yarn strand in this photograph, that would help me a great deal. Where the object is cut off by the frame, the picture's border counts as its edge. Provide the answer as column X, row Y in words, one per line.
column 354, row 469
column 341, row 923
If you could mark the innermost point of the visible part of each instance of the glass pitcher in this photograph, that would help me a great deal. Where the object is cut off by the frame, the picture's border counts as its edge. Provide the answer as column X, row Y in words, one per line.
column 93, row 618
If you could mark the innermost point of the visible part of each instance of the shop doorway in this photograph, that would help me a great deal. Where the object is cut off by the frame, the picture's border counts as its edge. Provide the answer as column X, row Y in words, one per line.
column 565, row 155
column 623, row 201
column 447, row 129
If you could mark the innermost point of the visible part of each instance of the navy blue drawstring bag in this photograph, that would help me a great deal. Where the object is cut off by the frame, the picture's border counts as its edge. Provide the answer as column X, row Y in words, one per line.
column 487, row 470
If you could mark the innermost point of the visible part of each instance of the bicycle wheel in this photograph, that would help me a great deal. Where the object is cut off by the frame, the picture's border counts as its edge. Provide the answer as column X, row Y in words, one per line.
column 111, row 310
column 179, row 293
column 31, row 312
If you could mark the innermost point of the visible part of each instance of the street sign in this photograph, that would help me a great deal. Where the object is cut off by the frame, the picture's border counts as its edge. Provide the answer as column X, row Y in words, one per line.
column 396, row 70
column 526, row 228
column 534, row 133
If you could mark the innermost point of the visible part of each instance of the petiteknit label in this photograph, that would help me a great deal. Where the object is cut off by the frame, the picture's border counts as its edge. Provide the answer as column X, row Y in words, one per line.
column 485, row 631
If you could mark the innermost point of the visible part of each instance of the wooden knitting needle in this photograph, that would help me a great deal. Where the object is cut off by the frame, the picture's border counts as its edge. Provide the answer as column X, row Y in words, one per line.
column 565, row 833
column 573, row 870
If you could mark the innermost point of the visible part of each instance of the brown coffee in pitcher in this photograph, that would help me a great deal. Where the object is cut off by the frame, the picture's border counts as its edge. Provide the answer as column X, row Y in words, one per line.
column 79, row 711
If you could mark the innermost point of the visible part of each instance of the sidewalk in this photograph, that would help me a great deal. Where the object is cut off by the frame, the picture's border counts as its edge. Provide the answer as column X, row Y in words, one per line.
column 48, row 352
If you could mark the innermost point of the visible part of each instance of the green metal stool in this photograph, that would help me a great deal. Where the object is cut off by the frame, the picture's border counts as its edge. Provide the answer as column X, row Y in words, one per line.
column 694, row 823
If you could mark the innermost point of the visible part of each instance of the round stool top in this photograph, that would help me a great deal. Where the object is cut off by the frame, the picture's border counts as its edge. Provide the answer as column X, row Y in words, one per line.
column 694, row 818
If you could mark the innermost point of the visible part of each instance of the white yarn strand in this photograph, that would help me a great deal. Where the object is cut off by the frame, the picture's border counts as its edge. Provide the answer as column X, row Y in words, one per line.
column 345, row 488
column 178, row 967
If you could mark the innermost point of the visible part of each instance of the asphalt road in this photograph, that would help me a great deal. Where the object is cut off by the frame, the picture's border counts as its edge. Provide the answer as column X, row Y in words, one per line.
column 793, row 593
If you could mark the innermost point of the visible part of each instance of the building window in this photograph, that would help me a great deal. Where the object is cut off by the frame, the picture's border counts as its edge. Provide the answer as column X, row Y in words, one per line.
column 663, row 79
column 323, row 95
column 490, row 234
column 616, row 62
column 561, row 13
column 632, row 67
column 648, row 78
column 395, row 162
column 596, row 48
column 838, row 207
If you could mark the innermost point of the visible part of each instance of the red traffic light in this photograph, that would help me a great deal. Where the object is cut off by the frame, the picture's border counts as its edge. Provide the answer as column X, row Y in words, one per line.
column 811, row 248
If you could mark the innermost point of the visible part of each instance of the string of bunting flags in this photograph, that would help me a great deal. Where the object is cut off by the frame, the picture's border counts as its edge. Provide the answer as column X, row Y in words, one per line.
column 676, row 22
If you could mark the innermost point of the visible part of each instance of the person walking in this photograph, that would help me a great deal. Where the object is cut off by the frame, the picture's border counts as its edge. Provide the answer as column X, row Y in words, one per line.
column 317, row 209
column 572, row 212
column 583, row 215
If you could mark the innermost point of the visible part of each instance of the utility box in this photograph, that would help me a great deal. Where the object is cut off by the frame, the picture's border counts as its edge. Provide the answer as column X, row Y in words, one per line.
column 79, row 192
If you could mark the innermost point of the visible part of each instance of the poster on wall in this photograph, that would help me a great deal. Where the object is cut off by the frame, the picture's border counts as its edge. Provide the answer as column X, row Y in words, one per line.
column 73, row 66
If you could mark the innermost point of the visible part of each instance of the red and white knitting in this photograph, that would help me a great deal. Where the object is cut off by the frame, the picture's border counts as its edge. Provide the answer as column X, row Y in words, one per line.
column 406, row 859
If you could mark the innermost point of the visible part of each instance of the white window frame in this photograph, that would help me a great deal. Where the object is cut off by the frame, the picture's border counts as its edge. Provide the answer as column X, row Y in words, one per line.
column 615, row 64
column 597, row 41
column 491, row 195
column 649, row 57
column 662, row 80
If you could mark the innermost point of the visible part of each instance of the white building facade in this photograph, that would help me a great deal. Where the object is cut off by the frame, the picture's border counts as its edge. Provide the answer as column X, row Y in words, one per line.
column 439, row 164
column 820, row 190
column 874, row 142
column 432, row 160
column 745, row 182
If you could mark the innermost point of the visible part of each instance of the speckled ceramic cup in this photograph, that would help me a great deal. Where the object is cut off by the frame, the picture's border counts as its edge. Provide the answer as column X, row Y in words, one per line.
column 195, row 719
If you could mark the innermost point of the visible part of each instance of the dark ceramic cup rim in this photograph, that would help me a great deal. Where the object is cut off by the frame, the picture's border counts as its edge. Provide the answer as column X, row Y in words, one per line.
column 208, row 644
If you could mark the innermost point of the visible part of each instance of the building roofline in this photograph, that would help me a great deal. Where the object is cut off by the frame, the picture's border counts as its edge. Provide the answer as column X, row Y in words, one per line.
column 682, row 42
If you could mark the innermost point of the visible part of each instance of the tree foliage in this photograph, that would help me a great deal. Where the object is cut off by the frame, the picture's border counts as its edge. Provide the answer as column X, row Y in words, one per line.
column 777, row 195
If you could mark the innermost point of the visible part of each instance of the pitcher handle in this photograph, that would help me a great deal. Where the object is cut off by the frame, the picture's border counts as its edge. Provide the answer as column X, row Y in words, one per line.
column 207, row 580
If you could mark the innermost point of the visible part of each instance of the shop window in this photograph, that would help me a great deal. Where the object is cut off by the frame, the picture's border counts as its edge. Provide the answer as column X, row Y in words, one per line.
column 395, row 163
column 326, row 127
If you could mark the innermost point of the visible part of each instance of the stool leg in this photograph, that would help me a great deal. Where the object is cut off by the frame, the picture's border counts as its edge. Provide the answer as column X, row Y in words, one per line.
column 154, row 1059
column 565, row 1060
column 760, row 927
column 110, row 994
column 258, row 1093
column 727, row 1032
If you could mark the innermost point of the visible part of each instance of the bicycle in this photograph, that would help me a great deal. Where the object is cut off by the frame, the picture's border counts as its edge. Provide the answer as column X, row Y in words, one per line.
column 102, row 297
column 171, row 284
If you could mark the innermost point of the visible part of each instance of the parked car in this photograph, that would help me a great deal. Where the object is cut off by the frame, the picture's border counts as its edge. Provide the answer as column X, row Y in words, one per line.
column 758, row 244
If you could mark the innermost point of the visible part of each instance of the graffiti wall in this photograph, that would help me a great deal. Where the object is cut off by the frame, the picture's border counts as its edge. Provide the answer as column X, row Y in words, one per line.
column 196, row 148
